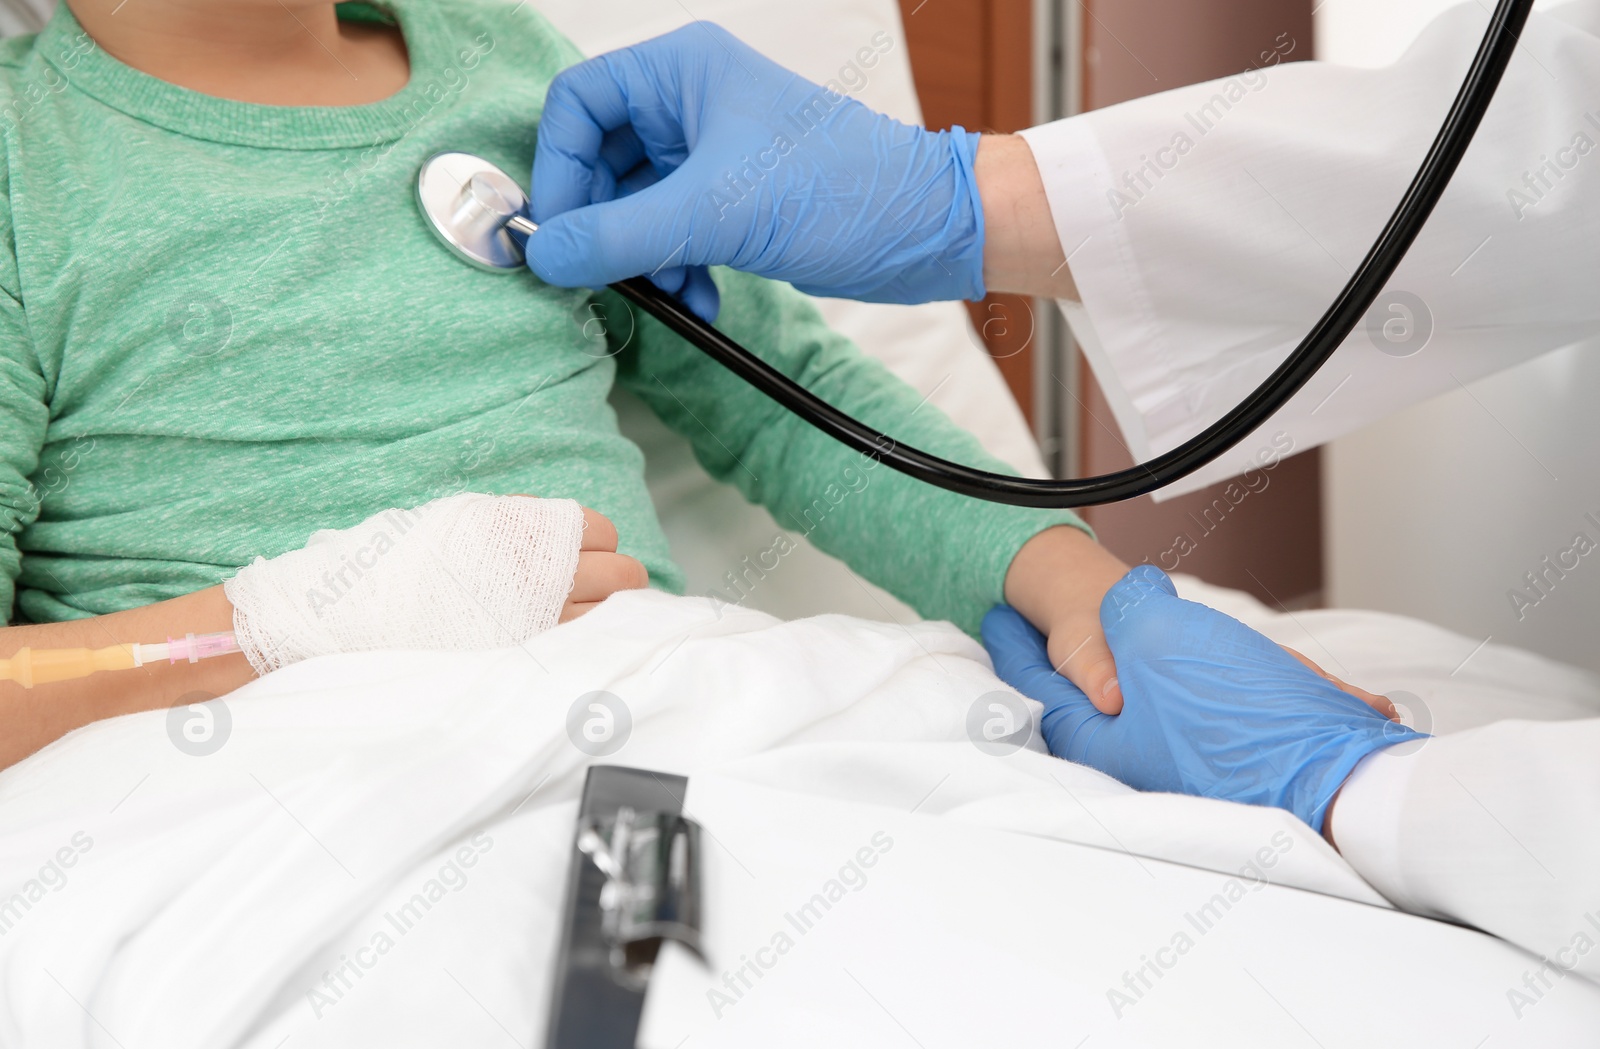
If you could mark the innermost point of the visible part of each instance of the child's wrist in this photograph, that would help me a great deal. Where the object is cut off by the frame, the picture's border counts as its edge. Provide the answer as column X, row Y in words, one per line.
column 1061, row 574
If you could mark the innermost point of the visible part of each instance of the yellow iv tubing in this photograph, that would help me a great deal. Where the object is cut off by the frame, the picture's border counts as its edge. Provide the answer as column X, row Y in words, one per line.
column 38, row 666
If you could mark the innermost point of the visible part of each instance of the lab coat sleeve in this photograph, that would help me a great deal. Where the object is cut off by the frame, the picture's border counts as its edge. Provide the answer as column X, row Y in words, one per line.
column 1495, row 828
column 24, row 414
column 1208, row 227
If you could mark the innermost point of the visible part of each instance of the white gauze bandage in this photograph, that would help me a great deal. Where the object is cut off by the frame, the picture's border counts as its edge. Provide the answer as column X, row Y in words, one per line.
column 463, row 572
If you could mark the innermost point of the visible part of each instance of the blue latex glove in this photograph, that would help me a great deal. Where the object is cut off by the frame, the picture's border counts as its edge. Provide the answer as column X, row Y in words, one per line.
column 1210, row 707
column 696, row 150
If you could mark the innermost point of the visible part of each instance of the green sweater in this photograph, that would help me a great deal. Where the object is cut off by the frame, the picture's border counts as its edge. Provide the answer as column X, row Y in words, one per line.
column 225, row 325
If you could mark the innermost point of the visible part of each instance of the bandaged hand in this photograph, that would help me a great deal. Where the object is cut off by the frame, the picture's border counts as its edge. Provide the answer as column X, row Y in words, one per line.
column 1209, row 706
column 464, row 572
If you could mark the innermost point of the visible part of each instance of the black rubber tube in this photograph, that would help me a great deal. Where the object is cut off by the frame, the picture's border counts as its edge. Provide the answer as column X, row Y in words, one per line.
column 1335, row 325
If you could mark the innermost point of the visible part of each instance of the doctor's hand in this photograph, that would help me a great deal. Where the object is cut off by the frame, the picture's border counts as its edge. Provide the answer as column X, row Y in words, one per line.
column 1210, row 707
column 692, row 150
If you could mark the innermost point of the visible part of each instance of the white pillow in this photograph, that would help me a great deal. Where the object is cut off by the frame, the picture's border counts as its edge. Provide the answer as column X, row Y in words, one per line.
column 24, row 16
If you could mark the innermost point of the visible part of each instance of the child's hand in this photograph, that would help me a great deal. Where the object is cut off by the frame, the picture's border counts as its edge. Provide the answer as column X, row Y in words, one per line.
column 601, row 570
column 1057, row 581
column 1213, row 708
column 460, row 573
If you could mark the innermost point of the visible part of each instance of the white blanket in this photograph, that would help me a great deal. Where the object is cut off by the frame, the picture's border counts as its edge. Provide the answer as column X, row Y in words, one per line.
column 375, row 853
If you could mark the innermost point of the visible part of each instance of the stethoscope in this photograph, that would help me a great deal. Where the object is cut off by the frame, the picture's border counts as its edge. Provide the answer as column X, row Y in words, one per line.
column 474, row 207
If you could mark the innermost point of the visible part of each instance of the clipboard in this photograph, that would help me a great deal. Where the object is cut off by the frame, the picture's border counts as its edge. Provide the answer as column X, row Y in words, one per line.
column 633, row 881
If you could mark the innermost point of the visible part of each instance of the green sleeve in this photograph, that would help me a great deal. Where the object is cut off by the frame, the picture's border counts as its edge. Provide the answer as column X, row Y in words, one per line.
column 23, row 412
column 946, row 555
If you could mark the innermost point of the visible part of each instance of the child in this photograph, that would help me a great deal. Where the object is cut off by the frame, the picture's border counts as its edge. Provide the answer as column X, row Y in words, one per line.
column 224, row 325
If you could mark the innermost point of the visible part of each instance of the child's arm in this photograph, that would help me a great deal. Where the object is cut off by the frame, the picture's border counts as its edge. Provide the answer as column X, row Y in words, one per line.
column 949, row 556
column 494, row 569
column 939, row 551
column 31, row 718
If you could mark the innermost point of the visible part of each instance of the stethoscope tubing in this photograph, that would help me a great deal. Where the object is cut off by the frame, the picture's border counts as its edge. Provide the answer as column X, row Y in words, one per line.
column 1329, row 332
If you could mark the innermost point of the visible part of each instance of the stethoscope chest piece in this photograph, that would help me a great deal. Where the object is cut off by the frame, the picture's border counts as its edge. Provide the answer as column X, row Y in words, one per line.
column 469, row 202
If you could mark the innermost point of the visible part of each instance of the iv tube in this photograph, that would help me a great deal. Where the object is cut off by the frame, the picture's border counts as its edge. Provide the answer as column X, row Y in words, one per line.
column 37, row 666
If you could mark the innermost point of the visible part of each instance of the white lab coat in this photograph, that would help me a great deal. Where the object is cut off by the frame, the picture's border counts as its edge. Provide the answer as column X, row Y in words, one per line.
column 1209, row 226
column 1497, row 827
column 1201, row 264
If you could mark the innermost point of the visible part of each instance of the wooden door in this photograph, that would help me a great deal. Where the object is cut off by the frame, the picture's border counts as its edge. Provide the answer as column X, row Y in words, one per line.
column 970, row 59
column 972, row 63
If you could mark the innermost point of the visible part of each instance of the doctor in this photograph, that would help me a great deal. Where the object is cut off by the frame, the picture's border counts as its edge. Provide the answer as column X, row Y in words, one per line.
column 1214, row 217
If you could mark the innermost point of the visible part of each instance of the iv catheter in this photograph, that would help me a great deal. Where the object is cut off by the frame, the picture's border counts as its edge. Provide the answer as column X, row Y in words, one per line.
column 473, row 207
column 37, row 666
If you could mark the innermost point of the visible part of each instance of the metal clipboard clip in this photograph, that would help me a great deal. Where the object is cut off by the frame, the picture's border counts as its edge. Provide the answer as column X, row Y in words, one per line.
column 632, row 884
column 651, row 862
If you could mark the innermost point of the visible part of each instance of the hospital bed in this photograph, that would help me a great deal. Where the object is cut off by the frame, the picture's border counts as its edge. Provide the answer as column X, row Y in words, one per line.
column 375, row 854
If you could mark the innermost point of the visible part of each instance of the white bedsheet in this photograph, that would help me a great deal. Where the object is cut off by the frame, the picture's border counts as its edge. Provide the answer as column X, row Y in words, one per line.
column 215, row 892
